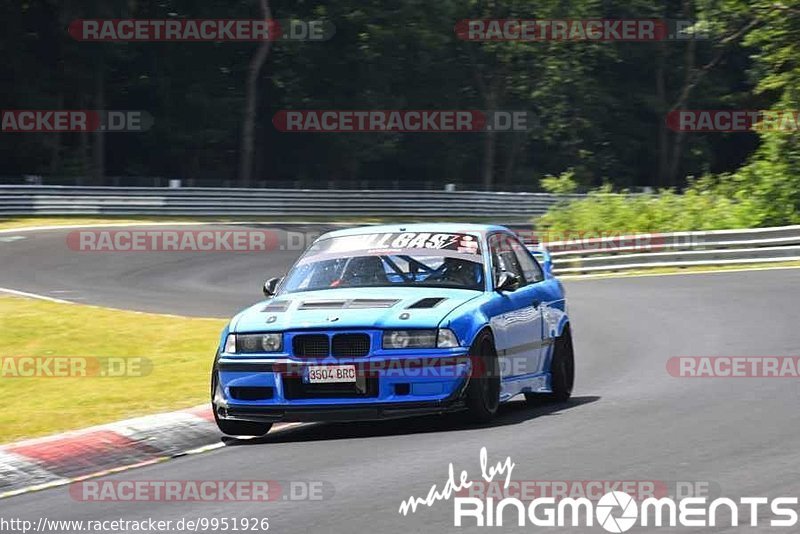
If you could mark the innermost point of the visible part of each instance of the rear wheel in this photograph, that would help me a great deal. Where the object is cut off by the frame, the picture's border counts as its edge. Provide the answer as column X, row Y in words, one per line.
column 235, row 428
column 562, row 371
column 483, row 391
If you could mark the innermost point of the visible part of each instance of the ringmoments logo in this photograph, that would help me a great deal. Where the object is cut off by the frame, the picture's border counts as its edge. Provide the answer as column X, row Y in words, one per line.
column 616, row 500
column 615, row 511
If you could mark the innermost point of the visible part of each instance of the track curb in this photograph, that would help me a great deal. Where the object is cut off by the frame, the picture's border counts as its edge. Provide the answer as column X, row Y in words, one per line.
column 61, row 459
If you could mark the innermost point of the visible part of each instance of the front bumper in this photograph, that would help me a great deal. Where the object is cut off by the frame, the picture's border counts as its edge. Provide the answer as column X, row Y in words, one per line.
column 342, row 413
column 387, row 389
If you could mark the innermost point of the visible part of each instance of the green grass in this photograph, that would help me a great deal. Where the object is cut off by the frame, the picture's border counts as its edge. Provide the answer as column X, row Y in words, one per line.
column 181, row 350
column 27, row 222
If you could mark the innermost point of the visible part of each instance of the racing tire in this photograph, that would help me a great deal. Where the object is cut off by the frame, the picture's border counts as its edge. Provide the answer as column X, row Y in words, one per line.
column 483, row 390
column 562, row 371
column 235, row 428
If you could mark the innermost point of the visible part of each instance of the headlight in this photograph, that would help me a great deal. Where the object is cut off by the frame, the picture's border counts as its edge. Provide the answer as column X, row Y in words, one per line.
column 447, row 339
column 230, row 344
column 419, row 339
column 254, row 343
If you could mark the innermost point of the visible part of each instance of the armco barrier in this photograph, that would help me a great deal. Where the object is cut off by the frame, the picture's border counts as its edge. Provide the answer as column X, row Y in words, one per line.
column 67, row 200
column 678, row 249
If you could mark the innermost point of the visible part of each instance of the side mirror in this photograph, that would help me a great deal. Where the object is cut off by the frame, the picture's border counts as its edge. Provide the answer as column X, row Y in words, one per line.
column 270, row 286
column 507, row 282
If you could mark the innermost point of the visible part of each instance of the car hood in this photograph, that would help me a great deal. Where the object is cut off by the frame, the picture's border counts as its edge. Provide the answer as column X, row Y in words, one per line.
column 376, row 307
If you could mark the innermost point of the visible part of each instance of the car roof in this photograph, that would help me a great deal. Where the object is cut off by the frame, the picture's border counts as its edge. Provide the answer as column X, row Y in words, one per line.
column 458, row 228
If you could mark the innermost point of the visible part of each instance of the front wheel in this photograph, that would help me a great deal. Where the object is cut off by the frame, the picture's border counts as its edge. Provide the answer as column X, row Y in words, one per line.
column 483, row 391
column 562, row 371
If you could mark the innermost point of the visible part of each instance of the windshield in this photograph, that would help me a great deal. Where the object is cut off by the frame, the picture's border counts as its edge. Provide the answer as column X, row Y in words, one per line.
column 389, row 260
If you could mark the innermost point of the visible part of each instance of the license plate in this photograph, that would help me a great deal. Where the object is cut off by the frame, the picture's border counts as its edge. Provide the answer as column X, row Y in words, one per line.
column 326, row 374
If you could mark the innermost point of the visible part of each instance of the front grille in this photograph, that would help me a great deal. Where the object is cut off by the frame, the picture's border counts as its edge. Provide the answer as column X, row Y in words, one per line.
column 350, row 345
column 310, row 346
column 364, row 386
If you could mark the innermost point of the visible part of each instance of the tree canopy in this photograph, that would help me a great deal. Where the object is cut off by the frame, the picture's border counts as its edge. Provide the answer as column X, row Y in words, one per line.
column 600, row 105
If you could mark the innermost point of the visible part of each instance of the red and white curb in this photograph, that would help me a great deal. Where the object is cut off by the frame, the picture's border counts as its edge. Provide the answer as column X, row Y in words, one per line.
column 61, row 459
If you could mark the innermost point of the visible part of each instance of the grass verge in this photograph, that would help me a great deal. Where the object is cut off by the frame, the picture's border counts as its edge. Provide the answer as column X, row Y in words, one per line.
column 180, row 350
column 27, row 222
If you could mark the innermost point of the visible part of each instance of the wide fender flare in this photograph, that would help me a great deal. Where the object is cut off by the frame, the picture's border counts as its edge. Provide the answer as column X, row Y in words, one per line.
column 562, row 324
column 467, row 327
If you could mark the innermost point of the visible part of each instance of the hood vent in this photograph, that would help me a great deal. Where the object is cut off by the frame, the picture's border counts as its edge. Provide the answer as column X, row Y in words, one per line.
column 371, row 303
column 346, row 304
column 428, row 302
column 277, row 306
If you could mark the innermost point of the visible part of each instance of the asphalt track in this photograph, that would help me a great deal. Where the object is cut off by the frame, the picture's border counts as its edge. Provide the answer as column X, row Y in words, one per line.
column 628, row 420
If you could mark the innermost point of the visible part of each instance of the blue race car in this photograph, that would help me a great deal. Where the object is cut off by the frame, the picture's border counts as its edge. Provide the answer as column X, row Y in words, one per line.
column 396, row 321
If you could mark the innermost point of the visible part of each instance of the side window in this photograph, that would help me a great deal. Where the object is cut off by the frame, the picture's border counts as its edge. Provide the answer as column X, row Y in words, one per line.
column 503, row 258
column 530, row 268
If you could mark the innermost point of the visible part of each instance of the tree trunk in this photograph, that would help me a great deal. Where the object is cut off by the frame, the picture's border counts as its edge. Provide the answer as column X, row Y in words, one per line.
column 663, row 131
column 513, row 153
column 489, row 142
column 84, row 149
column 55, row 149
column 99, row 151
column 250, row 105
column 689, row 73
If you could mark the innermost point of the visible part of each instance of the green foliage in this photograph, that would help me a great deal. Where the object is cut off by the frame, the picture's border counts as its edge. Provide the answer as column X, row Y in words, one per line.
column 563, row 184
column 765, row 191
column 703, row 206
column 770, row 182
column 600, row 106
column 595, row 101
